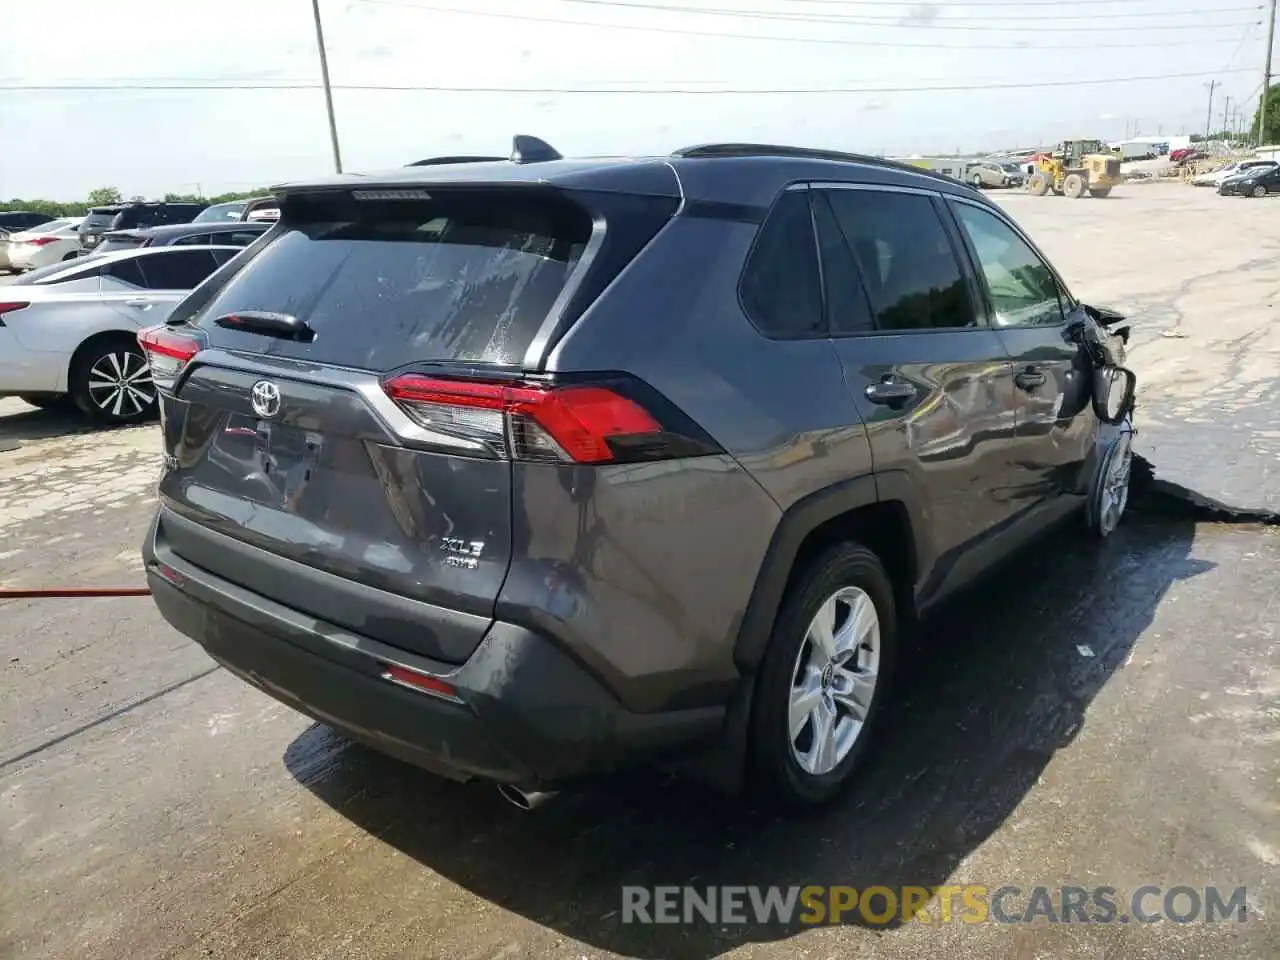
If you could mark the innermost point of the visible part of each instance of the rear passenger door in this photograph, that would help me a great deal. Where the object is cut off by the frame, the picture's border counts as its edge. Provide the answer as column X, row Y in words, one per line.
column 1029, row 310
column 929, row 377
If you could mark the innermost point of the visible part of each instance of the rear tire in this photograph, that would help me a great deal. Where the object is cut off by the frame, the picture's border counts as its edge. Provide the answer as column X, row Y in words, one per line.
column 69, row 256
column 827, row 671
column 977, row 181
column 111, row 382
column 1073, row 186
column 1099, row 192
column 1038, row 185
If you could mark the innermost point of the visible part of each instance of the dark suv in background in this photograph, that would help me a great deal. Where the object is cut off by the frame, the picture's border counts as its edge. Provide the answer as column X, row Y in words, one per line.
column 524, row 470
column 14, row 221
column 128, row 216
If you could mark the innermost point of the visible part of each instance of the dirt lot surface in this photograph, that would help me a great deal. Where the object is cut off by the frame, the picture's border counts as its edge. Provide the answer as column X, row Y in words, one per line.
column 1098, row 716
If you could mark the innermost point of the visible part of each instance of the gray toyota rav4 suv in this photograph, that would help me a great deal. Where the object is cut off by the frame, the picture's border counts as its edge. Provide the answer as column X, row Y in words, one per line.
column 523, row 470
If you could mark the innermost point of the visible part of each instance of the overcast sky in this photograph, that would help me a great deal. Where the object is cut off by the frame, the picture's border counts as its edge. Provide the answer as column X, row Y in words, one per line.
column 60, row 144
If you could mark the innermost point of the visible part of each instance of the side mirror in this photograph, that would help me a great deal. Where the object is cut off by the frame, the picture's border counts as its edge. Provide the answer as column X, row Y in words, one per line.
column 1113, row 393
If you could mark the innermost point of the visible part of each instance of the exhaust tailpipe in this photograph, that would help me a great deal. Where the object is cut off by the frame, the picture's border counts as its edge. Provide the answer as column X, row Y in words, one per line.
column 525, row 799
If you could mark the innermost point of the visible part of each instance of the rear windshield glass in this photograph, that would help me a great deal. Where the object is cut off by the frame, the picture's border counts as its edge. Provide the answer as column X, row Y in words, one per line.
column 53, row 273
column 221, row 211
column 462, row 277
column 119, row 243
column 99, row 218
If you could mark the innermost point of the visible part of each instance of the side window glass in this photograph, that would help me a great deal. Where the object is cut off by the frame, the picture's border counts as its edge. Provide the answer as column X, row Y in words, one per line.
column 194, row 240
column 247, row 237
column 1021, row 285
column 913, row 278
column 780, row 288
column 848, row 310
column 126, row 271
column 178, row 269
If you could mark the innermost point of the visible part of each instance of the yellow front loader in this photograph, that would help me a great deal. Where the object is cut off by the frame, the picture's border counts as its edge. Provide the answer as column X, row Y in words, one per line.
column 1077, row 167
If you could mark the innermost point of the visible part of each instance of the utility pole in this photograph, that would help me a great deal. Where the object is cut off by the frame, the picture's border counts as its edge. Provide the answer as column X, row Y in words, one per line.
column 1266, row 75
column 1208, row 120
column 1226, row 109
column 328, row 91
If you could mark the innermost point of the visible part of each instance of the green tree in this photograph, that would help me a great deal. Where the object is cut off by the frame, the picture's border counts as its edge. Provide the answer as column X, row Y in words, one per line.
column 103, row 196
column 1272, row 133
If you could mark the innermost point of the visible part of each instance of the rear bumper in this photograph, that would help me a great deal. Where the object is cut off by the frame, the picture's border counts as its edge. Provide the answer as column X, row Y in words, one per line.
column 528, row 713
column 29, row 371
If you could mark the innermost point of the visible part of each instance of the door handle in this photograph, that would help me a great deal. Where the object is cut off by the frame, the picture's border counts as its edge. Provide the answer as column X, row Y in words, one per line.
column 890, row 390
column 144, row 304
column 1029, row 378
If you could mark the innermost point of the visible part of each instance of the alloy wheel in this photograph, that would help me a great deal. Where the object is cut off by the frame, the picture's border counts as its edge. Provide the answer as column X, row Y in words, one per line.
column 833, row 680
column 1114, row 494
column 120, row 384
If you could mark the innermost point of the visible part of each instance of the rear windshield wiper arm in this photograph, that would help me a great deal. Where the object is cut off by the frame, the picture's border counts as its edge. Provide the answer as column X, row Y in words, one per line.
column 270, row 324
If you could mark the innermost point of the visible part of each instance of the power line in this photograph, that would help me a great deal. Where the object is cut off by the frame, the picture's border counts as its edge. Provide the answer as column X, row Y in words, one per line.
column 606, row 90
column 1248, row 31
column 527, row 18
column 897, row 23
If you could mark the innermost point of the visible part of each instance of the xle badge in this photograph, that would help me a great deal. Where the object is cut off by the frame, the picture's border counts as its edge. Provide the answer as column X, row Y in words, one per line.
column 461, row 553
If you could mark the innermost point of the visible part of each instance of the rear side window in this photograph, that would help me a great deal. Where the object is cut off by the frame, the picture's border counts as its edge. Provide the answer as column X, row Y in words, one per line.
column 781, row 291
column 142, row 217
column 126, row 271
column 119, row 243
column 906, row 259
column 177, row 269
column 196, row 239
column 848, row 310
column 468, row 275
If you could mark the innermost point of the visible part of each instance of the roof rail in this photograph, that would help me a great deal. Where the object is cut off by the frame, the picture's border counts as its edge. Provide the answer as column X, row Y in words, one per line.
column 432, row 161
column 713, row 150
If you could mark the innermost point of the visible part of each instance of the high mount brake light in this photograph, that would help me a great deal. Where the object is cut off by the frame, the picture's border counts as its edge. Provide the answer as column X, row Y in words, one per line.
column 577, row 423
column 167, row 354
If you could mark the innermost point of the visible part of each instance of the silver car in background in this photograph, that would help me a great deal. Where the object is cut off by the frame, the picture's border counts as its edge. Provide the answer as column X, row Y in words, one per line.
column 69, row 331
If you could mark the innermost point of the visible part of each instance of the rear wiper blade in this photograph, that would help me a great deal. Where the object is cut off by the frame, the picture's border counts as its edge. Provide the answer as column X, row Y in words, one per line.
column 269, row 324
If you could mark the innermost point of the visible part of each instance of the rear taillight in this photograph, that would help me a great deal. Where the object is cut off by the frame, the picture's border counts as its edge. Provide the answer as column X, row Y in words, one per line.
column 41, row 241
column 167, row 353
column 9, row 306
column 570, row 423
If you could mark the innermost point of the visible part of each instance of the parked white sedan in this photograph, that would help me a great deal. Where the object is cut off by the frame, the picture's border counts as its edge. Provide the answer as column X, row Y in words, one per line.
column 70, row 330
column 1234, row 169
column 48, row 243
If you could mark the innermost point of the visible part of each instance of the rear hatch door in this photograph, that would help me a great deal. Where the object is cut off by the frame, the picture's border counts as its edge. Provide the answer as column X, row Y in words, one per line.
column 283, row 438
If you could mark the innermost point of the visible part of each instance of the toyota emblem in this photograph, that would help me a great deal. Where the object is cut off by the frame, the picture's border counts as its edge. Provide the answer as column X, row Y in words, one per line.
column 265, row 397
